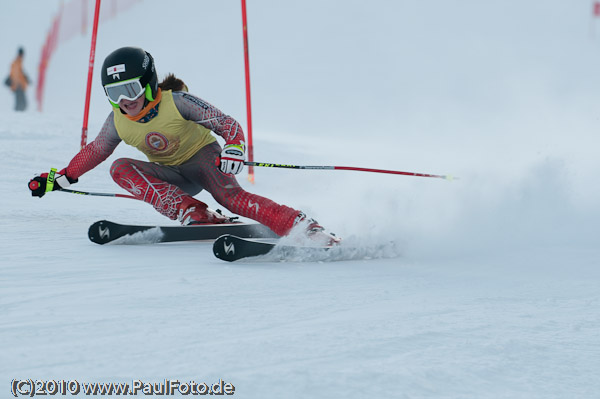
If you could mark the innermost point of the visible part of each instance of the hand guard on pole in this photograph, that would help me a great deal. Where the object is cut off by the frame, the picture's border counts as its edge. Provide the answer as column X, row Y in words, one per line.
column 51, row 181
column 233, row 157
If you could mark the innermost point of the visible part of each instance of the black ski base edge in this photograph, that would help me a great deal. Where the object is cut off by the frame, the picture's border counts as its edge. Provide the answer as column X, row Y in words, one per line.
column 104, row 231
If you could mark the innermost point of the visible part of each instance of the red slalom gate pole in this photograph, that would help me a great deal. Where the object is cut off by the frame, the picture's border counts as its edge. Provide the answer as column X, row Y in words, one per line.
column 86, row 111
column 394, row 172
column 248, row 102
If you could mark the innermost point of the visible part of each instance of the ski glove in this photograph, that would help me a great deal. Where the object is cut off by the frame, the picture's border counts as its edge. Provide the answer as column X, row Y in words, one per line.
column 52, row 181
column 233, row 157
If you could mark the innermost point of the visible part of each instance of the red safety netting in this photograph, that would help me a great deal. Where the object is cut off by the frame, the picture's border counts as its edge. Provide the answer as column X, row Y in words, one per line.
column 73, row 19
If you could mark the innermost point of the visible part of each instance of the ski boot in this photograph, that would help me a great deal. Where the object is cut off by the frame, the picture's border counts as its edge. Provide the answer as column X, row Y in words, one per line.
column 191, row 212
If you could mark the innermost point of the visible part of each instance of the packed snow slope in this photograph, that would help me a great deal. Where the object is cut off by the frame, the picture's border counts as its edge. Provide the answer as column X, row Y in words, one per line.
column 490, row 288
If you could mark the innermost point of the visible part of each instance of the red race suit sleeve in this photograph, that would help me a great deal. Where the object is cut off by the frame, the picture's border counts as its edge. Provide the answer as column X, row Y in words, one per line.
column 195, row 109
column 96, row 151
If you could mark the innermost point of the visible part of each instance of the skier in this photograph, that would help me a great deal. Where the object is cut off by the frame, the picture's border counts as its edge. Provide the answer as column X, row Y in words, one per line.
column 172, row 128
column 18, row 81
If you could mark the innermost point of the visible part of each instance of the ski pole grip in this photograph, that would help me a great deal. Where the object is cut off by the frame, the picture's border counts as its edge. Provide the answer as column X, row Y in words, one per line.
column 50, row 180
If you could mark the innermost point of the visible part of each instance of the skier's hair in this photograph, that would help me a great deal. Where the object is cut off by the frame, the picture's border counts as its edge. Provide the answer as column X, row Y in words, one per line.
column 171, row 82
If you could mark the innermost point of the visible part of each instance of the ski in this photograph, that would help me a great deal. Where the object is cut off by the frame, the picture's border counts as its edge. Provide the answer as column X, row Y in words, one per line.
column 104, row 231
column 230, row 248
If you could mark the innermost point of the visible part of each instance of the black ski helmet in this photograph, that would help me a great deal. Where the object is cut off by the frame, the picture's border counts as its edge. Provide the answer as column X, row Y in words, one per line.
column 129, row 63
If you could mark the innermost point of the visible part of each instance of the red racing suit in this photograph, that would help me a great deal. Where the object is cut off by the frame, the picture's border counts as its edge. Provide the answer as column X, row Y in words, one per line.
column 176, row 173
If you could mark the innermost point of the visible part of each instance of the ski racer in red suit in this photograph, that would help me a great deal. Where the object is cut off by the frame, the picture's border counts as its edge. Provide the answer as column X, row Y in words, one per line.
column 172, row 128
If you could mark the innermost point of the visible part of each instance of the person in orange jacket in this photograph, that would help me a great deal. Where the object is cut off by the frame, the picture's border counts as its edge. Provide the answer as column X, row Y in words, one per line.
column 19, row 81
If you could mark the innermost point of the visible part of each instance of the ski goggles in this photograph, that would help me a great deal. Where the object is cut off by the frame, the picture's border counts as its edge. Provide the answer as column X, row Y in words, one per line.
column 130, row 90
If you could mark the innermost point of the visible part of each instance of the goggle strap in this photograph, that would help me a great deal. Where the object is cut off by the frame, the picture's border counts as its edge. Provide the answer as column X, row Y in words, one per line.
column 149, row 95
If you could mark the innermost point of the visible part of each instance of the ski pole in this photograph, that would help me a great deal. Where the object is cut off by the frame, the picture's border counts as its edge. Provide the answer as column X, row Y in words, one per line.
column 285, row 166
column 65, row 190
column 395, row 172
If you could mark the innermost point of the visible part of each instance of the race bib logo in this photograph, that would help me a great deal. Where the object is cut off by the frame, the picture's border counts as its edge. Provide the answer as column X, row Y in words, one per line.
column 156, row 141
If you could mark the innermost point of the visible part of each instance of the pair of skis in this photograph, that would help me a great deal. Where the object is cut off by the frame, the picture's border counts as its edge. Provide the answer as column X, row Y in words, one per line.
column 232, row 241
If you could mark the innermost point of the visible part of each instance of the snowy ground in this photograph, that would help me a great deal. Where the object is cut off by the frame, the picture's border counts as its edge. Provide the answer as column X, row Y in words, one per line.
column 491, row 290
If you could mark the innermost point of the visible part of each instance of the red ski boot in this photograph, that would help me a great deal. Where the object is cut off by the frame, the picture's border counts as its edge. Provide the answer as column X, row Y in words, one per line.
column 191, row 211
